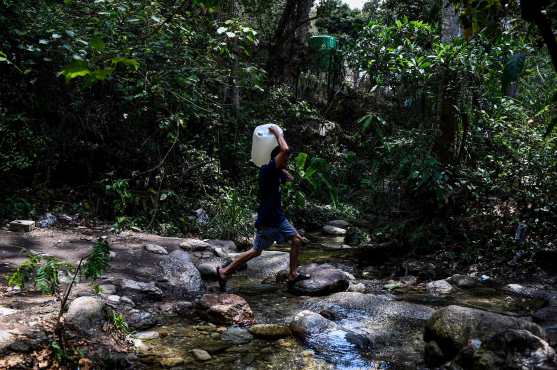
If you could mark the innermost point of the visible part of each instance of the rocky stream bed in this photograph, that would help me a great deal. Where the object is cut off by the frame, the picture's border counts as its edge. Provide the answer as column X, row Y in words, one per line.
column 347, row 316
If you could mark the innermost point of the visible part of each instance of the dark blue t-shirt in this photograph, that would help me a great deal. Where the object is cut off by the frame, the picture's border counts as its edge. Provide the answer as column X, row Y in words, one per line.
column 270, row 213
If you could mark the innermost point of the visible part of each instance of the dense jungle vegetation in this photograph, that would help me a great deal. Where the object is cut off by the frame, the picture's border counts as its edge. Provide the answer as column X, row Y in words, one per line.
column 432, row 122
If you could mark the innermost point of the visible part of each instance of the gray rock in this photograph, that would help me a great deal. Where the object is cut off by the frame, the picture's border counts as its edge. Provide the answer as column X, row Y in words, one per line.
column 546, row 316
column 207, row 270
column 108, row 289
column 515, row 350
column 113, row 299
column 339, row 223
column 182, row 279
column 5, row 311
column 333, row 230
column 463, row 281
column 139, row 290
column 6, row 340
column 357, row 287
column 183, row 308
column 86, row 314
column 532, row 292
column 439, row 287
column 139, row 320
column 453, row 326
column 227, row 246
column 147, row 335
column 237, row 335
column 323, row 280
column 201, row 355
column 194, row 245
column 156, row 249
column 267, row 265
column 127, row 301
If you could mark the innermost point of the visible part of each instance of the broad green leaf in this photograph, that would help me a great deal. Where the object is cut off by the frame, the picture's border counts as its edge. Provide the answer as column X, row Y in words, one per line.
column 78, row 68
column 3, row 57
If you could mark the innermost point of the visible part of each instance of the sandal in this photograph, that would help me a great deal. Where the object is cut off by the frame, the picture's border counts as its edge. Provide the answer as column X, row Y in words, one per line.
column 222, row 282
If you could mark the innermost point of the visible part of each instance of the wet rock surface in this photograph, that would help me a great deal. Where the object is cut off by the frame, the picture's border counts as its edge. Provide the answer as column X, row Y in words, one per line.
column 324, row 279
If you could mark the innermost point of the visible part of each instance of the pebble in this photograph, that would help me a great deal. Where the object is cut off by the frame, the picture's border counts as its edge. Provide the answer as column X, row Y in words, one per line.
column 308, row 353
column 200, row 354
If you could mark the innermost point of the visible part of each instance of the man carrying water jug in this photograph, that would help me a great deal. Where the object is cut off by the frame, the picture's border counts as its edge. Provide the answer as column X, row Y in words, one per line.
column 271, row 224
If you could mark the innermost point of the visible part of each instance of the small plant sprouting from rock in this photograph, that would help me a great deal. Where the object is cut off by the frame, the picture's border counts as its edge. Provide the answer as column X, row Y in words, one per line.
column 120, row 323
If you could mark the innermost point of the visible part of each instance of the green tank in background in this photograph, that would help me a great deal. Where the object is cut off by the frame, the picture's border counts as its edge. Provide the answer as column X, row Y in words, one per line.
column 323, row 50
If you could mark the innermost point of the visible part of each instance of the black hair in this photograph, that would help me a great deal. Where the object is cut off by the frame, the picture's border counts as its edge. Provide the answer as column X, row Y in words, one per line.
column 275, row 152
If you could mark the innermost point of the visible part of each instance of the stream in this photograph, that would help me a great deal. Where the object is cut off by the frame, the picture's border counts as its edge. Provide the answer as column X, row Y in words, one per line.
column 393, row 320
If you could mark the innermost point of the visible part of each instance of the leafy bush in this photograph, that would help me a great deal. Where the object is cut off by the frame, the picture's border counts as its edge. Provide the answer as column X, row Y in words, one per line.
column 230, row 216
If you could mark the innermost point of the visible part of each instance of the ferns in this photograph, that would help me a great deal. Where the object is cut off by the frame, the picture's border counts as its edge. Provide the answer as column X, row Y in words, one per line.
column 46, row 277
column 97, row 262
column 43, row 270
column 24, row 272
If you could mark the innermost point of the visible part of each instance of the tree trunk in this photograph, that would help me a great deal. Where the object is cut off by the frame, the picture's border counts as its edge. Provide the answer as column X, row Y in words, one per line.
column 286, row 52
column 444, row 147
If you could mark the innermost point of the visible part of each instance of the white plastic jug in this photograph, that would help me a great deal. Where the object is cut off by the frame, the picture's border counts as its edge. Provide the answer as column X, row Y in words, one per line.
column 264, row 141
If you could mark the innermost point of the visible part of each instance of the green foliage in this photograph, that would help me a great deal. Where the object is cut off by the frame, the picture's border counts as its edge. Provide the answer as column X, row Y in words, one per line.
column 120, row 323
column 119, row 189
column 98, row 260
column 230, row 215
column 59, row 353
column 513, row 67
column 42, row 271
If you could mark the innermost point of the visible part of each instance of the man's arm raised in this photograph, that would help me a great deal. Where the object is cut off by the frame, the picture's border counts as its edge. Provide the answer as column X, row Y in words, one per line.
column 282, row 157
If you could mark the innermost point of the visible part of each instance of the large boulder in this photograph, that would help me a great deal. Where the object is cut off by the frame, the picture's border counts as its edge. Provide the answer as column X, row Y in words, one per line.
column 514, row 350
column 452, row 327
column 179, row 275
column 226, row 309
column 324, row 280
column 86, row 314
column 268, row 264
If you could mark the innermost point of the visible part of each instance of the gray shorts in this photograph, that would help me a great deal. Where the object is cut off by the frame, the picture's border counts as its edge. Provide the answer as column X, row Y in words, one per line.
column 265, row 237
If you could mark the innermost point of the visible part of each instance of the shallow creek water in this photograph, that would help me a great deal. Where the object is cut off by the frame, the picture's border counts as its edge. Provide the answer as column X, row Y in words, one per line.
column 393, row 346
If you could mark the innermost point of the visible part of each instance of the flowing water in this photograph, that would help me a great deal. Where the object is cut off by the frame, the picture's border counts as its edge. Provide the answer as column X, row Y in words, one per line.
column 392, row 322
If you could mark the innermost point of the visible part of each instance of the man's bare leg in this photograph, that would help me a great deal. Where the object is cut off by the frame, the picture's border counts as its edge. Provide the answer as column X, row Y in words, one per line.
column 296, row 244
column 242, row 258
